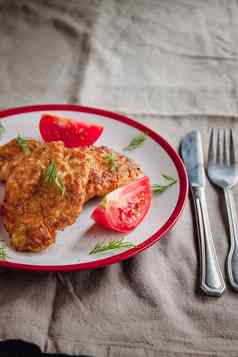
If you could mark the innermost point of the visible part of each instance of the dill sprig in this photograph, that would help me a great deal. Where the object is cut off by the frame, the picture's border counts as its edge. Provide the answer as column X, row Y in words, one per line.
column 2, row 130
column 51, row 177
column 136, row 142
column 3, row 254
column 22, row 142
column 112, row 245
column 111, row 161
column 157, row 188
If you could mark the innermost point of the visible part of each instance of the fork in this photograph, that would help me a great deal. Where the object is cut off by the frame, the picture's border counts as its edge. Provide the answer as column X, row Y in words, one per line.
column 223, row 172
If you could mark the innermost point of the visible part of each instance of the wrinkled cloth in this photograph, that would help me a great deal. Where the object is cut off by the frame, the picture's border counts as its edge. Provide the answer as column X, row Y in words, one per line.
column 138, row 56
column 171, row 65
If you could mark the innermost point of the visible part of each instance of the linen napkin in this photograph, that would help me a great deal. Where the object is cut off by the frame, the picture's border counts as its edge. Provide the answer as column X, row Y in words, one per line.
column 147, row 305
column 150, row 60
column 144, row 56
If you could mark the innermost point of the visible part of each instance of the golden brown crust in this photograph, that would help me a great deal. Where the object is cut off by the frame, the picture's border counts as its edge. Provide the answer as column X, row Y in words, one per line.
column 10, row 155
column 102, row 178
column 34, row 211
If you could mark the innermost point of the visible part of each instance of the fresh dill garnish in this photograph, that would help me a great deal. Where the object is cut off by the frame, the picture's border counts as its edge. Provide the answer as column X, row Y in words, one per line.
column 3, row 254
column 103, row 203
column 111, row 160
column 112, row 245
column 2, row 130
column 136, row 142
column 22, row 142
column 157, row 188
column 51, row 176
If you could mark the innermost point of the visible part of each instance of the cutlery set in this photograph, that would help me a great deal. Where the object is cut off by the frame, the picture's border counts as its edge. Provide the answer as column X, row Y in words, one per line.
column 222, row 170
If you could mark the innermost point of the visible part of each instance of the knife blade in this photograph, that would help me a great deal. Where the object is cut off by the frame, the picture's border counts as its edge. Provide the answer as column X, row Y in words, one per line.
column 211, row 279
column 192, row 155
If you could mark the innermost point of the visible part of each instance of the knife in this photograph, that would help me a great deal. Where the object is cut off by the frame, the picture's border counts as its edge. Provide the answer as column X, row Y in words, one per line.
column 211, row 279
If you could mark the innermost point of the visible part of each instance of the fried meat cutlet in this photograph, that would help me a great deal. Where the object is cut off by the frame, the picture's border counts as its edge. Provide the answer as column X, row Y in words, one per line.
column 33, row 210
column 109, row 171
column 11, row 153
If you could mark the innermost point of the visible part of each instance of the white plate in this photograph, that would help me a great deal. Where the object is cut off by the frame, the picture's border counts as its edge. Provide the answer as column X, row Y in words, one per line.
column 72, row 247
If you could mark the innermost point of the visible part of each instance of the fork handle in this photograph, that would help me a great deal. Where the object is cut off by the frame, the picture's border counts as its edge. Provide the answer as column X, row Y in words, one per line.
column 211, row 279
column 232, row 258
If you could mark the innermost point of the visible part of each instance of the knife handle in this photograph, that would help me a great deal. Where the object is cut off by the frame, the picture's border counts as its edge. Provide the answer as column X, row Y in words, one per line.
column 211, row 279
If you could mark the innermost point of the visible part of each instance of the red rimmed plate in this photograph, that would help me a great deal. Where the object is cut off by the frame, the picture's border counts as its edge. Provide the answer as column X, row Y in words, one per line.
column 73, row 245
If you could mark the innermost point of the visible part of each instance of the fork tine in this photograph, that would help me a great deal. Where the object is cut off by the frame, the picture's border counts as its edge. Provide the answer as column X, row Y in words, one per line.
column 225, row 156
column 232, row 148
column 219, row 146
column 211, row 151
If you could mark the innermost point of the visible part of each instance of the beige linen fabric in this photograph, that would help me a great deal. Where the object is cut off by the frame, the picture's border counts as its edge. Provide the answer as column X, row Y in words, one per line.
column 147, row 59
column 148, row 305
column 139, row 56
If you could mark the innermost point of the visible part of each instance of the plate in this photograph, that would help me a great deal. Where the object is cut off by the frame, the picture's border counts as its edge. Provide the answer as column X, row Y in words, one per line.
column 73, row 245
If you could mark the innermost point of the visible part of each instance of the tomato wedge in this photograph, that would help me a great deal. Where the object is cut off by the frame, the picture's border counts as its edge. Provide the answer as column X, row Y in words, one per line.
column 124, row 209
column 72, row 132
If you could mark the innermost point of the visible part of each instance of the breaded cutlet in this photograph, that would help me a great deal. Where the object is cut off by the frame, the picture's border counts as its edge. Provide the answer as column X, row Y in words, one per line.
column 34, row 210
column 109, row 171
column 11, row 153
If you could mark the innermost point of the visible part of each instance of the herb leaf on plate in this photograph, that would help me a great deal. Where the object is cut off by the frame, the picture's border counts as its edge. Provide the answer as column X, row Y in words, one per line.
column 158, row 188
column 112, row 245
column 23, row 143
column 111, row 160
column 2, row 130
column 136, row 142
column 51, row 177
column 3, row 254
